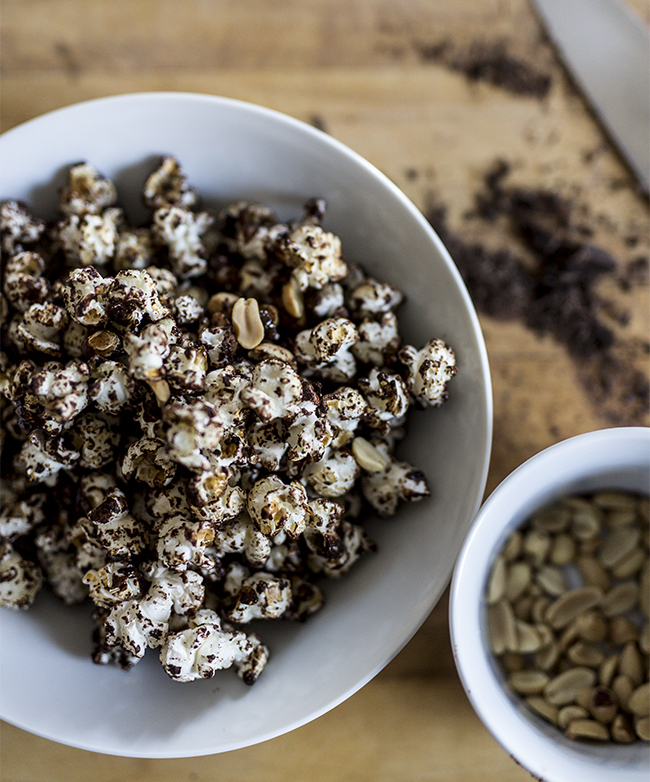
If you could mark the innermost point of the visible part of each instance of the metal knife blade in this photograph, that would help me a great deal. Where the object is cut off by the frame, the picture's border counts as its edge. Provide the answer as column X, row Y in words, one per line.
column 607, row 51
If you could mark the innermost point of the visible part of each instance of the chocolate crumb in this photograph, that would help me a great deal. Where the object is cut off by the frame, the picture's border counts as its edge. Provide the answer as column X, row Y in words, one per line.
column 318, row 122
column 490, row 62
column 553, row 290
column 499, row 284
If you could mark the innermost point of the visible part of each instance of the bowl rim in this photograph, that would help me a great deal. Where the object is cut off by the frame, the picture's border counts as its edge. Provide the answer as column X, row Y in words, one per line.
column 498, row 711
column 32, row 126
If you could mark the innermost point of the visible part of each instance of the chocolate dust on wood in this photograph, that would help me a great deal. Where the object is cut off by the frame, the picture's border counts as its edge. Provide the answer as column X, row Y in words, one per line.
column 489, row 62
column 557, row 293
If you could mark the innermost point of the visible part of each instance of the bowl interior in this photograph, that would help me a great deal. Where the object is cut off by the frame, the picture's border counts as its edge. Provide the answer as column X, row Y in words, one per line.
column 608, row 459
column 232, row 150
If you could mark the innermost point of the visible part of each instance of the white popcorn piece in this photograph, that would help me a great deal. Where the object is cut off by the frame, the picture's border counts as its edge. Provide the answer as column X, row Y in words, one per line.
column 20, row 515
column 96, row 438
column 314, row 255
column 30, row 412
column 62, row 390
column 89, row 552
column 206, row 647
column 258, row 595
column 387, row 396
column 61, row 571
column 168, row 186
column 111, row 387
column 39, row 329
column 285, row 556
column 208, row 486
column 275, row 506
column 196, row 292
column 23, row 283
column 379, row 339
column 187, row 309
column 230, row 503
column 269, row 443
column 86, row 191
column 43, row 456
column 249, row 229
column 103, row 652
column 182, row 542
column 19, row 229
column 223, row 389
column 181, row 231
column 84, row 294
column 429, row 371
column 308, row 435
column 328, row 300
column 166, row 501
column 327, row 349
column 193, row 432
column 120, row 534
column 186, row 368
column 134, row 249
column 334, row 475
column 275, row 390
column 133, row 297
column 345, row 409
column 307, row 599
column 90, row 238
column 326, row 340
column 165, row 283
column 219, row 340
column 94, row 487
column 139, row 624
column 242, row 536
column 185, row 588
column 7, row 371
column 354, row 543
column 372, row 298
column 114, row 583
column 396, row 483
column 148, row 350
column 148, row 460
column 322, row 535
column 20, row 579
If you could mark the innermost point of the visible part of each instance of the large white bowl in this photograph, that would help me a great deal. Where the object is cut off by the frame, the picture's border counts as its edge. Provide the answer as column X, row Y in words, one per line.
column 231, row 150
column 616, row 458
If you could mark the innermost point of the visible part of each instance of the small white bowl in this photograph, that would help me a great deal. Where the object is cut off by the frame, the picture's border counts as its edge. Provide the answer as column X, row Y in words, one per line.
column 232, row 150
column 616, row 458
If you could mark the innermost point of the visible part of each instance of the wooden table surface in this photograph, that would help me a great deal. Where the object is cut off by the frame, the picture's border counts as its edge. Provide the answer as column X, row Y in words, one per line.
column 432, row 92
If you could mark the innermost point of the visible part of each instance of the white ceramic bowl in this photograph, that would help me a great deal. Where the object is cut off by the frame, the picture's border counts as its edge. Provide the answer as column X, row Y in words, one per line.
column 232, row 150
column 611, row 458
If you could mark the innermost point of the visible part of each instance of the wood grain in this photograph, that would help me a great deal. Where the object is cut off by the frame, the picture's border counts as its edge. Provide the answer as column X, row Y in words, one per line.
column 362, row 70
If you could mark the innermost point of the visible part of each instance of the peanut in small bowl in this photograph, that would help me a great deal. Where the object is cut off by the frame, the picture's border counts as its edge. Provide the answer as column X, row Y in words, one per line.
column 549, row 610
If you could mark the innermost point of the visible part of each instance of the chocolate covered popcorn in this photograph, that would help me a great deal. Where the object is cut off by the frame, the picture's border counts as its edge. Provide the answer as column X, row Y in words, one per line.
column 199, row 415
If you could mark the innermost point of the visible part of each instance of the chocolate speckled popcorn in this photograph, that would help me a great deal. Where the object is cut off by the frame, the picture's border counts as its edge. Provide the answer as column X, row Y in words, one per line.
column 199, row 415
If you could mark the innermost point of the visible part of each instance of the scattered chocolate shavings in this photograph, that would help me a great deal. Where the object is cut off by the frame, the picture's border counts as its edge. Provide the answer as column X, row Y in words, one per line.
column 490, row 62
column 498, row 282
column 555, row 293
